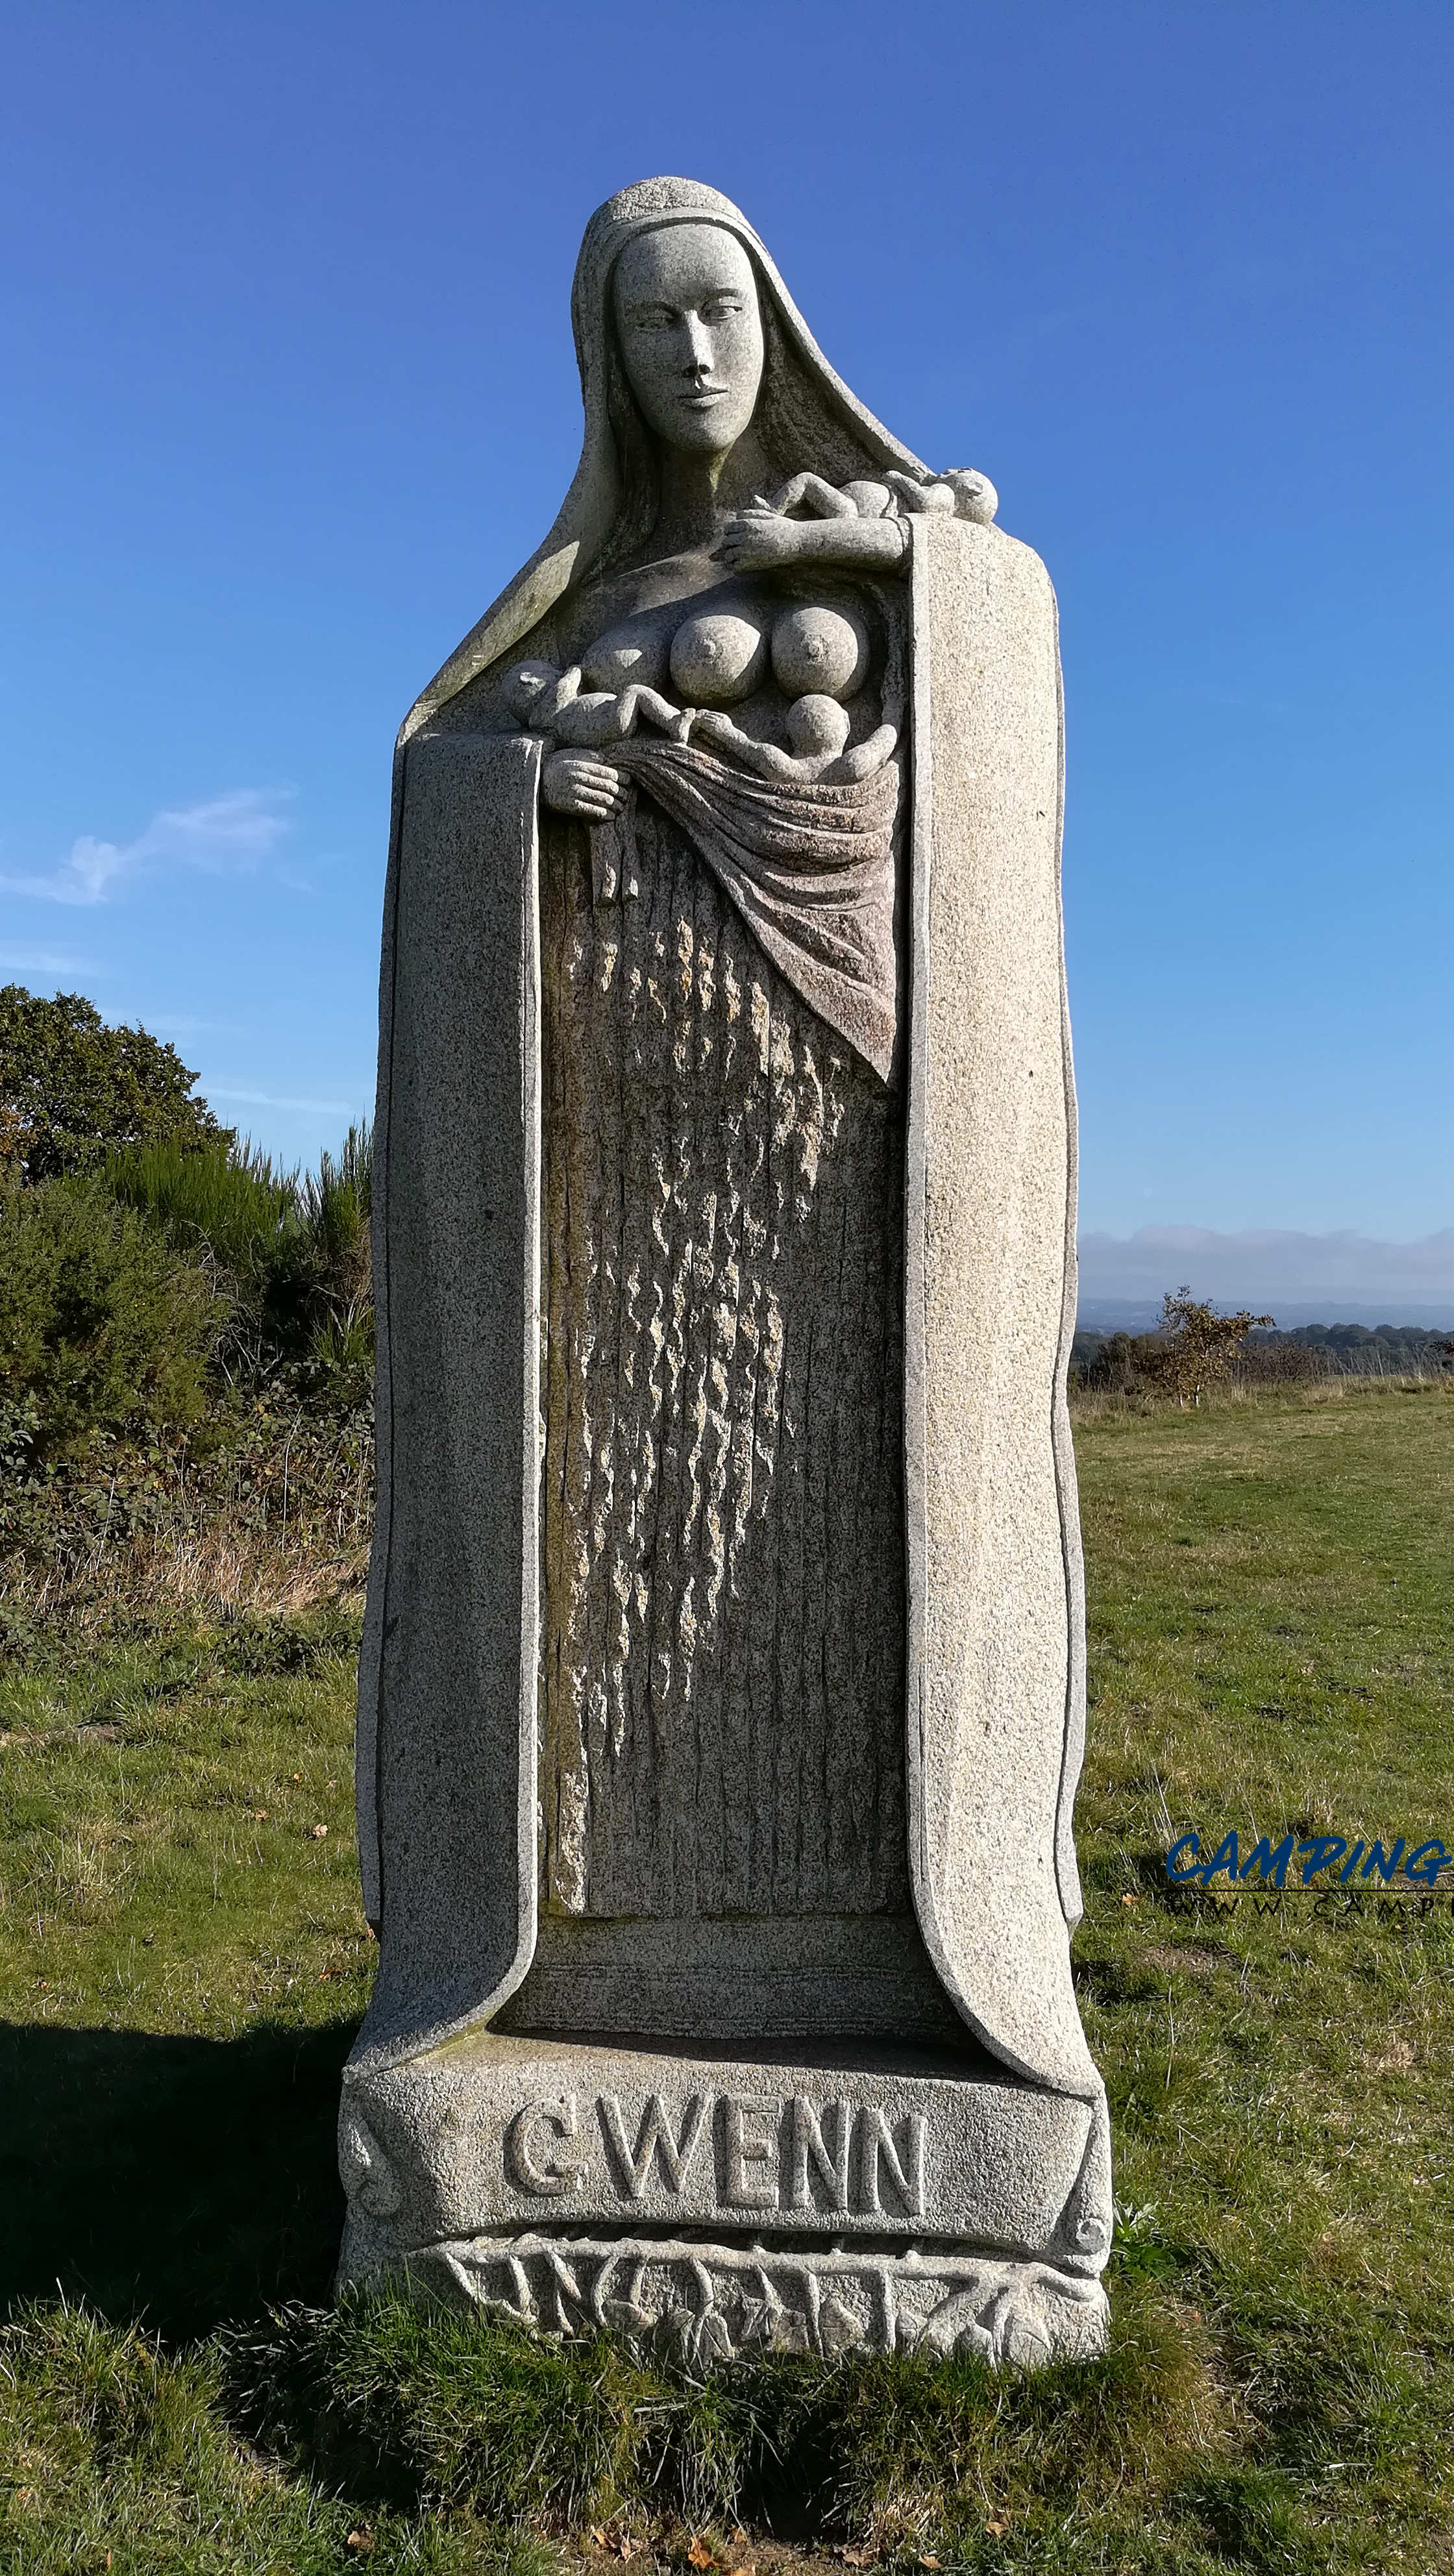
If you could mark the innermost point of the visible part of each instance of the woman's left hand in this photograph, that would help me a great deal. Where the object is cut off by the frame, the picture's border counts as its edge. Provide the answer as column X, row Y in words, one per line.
column 759, row 541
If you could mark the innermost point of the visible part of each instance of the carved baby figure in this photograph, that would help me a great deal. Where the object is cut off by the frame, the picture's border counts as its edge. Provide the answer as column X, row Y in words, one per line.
column 817, row 728
column 549, row 701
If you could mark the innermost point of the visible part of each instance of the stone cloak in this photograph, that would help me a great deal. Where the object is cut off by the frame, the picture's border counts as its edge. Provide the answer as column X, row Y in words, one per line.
column 447, row 1742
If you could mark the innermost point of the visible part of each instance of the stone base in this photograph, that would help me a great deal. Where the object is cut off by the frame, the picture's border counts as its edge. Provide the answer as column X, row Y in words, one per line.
column 813, row 2200
column 699, row 2304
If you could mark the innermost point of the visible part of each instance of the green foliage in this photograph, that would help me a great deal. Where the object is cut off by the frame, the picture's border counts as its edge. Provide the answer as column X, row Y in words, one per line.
column 1136, row 1364
column 288, row 1253
column 427, row 2410
column 228, row 1204
column 73, row 1090
column 176, row 1246
column 100, row 1323
column 1358, row 1350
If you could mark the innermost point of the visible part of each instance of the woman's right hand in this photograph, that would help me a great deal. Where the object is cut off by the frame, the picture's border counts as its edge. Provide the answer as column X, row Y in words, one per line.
column 575, row 782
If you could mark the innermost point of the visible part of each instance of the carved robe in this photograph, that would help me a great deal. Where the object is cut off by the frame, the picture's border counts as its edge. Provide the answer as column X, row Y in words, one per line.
column 591, row 1772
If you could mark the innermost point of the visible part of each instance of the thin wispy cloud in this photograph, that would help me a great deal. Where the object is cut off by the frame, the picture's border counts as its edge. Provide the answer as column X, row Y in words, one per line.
column 43, row 961
column 223, row 835
column 275, row 1100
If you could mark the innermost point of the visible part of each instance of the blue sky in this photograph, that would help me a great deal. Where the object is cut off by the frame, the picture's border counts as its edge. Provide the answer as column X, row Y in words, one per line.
column 290, row 394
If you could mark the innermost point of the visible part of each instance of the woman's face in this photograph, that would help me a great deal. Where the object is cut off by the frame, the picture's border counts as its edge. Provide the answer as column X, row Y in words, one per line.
column 691, row 334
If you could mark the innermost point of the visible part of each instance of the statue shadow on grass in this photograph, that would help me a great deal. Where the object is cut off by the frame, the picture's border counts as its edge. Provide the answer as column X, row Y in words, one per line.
column 175, row 2181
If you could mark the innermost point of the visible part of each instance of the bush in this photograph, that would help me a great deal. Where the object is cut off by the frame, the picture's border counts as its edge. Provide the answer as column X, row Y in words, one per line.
column 101, row 1323
column 289, row 1256
column 72, row 1090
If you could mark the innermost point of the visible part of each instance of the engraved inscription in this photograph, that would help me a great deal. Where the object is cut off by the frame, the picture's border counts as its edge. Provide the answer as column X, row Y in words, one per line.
column 750, row 2151
column 701, row 2303
column 811, row 2154
column 878, row 2152
column 528, row 2145
column 655, row 2139
column 823, row 2158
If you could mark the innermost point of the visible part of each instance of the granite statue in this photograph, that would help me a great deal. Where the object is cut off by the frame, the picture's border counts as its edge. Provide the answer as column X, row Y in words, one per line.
column 721, row 1699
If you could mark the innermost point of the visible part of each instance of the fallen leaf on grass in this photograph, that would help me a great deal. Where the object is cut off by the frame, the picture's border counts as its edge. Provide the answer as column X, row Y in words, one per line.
column 361, row 2540
column 1130, row 1900
column 997, row 2530
column 317, row 1832
column 700, row 2552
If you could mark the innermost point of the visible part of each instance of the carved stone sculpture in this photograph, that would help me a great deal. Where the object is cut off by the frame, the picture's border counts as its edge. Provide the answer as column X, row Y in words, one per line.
column 721, row 1696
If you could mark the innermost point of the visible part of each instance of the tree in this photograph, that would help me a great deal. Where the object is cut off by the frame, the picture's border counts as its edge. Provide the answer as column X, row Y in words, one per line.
column 73, row 1090
column 1194, row 1346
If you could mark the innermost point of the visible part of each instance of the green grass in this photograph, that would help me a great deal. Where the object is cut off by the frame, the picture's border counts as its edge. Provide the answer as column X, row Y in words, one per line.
column 182, row 1965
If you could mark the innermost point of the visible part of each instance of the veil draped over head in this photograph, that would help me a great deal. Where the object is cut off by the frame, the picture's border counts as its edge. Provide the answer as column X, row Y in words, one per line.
column 806, row 417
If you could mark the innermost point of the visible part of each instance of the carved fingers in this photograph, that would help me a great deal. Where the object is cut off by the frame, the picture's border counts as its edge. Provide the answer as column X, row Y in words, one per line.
column 758, row 541
column 572, row 782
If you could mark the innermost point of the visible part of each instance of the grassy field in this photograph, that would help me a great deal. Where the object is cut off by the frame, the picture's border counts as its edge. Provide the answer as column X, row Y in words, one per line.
column 183, row 1963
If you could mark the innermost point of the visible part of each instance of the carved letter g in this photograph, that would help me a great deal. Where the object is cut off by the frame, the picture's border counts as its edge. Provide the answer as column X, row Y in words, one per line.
column 521, row 2164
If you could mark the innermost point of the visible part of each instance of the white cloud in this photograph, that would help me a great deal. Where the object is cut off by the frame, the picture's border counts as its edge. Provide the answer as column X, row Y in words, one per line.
column 223, row 833
column 1265, row 1268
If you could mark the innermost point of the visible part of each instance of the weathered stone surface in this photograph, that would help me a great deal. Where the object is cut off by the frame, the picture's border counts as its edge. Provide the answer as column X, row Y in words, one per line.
column 490, row 2131
column 721, row 1697
column 723, row 1647
column 997, row 1617
column 699, row 2304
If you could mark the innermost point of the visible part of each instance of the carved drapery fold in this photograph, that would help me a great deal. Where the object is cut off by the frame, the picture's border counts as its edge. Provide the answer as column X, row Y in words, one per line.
column 809, row 867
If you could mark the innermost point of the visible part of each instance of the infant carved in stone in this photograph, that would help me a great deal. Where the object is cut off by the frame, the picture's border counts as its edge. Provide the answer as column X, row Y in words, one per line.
column 819, row 657
column 546, row 700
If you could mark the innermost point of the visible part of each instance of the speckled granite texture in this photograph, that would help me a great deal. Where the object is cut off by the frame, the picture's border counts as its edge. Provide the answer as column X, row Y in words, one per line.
column 723, row 1553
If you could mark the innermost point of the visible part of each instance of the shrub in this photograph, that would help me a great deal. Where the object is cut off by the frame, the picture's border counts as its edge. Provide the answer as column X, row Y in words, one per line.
column 72, row 1089
column 101, row 1324
column 1195, row 1347
column 289, row 1256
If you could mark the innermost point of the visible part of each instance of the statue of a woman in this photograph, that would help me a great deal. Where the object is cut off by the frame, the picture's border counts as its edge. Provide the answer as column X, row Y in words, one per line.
column 721, row 1683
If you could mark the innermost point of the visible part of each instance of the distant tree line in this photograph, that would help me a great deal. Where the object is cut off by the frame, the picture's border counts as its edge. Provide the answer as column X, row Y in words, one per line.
column 1249, row 1351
